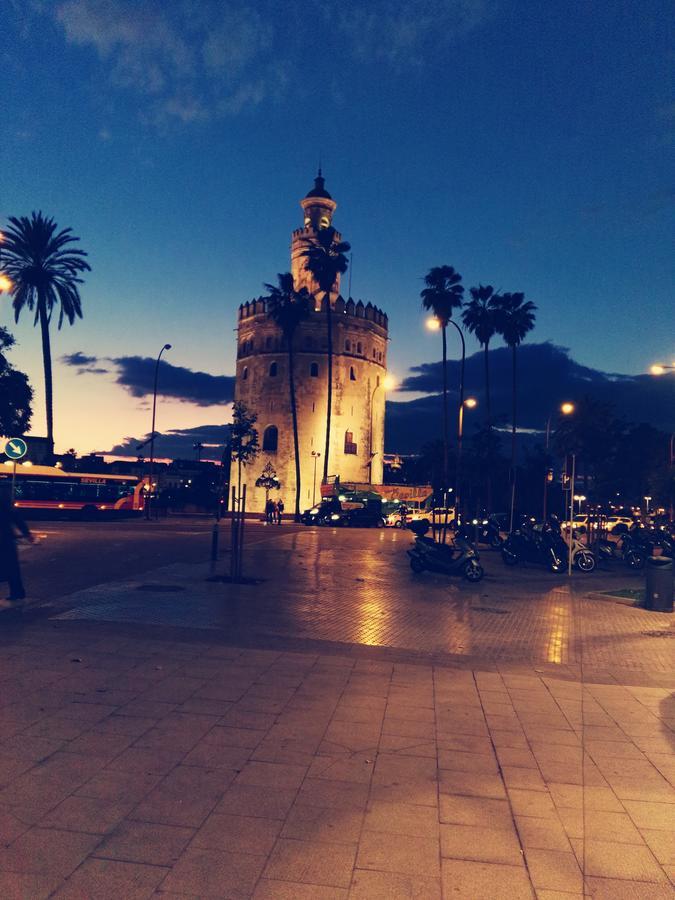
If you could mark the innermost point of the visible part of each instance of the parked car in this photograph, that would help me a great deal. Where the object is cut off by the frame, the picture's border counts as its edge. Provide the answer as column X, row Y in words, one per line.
column 363, row 517
column 401, row 519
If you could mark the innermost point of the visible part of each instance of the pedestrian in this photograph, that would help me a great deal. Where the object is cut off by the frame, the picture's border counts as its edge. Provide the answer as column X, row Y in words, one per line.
column 11, row 522
column 280, row 510
column 270, row 511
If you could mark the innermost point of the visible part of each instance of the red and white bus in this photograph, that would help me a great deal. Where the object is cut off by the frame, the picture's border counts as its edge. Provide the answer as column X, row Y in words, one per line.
column 49, row 488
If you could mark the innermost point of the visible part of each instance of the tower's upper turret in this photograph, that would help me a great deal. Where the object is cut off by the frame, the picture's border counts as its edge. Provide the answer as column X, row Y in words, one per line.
column 318, row 206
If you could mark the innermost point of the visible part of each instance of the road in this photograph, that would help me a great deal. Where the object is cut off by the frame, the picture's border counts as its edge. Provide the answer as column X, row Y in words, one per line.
column 72, row 556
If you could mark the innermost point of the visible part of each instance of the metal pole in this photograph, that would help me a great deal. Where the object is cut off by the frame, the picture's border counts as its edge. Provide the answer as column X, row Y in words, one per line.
column 242, row 514
column 570, row 536
column 546, row 467
column 13, row 481
column 233, row 534
column 460, row 425
column 152, row 430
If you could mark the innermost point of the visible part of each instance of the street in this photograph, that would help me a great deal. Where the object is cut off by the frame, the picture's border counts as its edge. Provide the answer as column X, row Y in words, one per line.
column 71, row 556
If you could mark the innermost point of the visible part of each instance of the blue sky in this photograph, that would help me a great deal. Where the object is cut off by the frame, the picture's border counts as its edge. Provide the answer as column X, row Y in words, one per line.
column 527, row 144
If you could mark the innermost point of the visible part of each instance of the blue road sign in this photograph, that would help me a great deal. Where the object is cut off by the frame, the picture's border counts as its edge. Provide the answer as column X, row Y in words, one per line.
column 16, row 448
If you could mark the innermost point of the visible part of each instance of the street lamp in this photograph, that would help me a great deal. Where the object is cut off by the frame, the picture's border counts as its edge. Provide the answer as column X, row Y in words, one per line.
column 316, row 457
column 152, row 430
column 388, row 382
column 566, row 409
column 661, row 368
column 647, row 499
column 580, row 499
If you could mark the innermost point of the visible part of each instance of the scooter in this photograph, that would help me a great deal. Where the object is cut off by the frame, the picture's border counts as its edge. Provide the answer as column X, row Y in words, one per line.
column 459, row 558
column 482, row 531
column 582, row 558
column 527, row 545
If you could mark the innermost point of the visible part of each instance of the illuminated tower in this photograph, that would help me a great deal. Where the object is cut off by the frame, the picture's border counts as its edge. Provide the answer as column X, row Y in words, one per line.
column 360, row 335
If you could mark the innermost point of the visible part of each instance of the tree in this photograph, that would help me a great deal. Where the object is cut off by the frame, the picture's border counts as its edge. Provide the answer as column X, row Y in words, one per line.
column 268, row 480
column 16, row 393
column 479, row 317
column 288, row 308
column 442, row 294
column 244, row 446
column 44, row 271
column 326, row 258
column 515, row 318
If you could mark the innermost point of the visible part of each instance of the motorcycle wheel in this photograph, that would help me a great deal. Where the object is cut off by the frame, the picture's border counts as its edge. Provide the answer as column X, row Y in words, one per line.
column 416, row 564
column 496, row 542
column 473, row 571
column 398, row 524
column 585, row 562
column 510, row 559
column 635, row 560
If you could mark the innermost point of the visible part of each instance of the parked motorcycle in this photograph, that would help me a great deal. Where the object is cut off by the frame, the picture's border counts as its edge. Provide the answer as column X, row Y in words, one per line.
column 541, row 547
column 481, row 531
column 460, row 558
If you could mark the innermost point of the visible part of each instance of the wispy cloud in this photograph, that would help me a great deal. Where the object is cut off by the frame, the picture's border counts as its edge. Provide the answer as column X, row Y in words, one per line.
column 189, row 60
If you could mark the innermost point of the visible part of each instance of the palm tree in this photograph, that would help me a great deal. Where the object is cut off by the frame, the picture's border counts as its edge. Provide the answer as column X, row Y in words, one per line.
column 479, row 317
column 515, row 319
column 442, row 294
column 326, row 259
column 44, row 271
column 288, row 307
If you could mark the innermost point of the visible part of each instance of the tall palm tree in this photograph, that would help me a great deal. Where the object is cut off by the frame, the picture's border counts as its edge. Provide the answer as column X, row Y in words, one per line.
column 479, row 317
column 288, row 307
column 326, row 259
column 515, row 319
column 443, row 292
column 44, row 271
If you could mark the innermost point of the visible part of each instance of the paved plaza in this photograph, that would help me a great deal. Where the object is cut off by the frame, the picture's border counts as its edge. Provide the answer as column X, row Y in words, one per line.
column 338, row 730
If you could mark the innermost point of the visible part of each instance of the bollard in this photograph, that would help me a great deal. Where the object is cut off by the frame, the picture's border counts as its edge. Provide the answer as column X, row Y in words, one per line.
column 659, row 585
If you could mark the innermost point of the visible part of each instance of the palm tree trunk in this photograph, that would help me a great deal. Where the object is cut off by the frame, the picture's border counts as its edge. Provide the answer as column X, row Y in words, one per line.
column 513, row 442
column 488, row 412
column 47, row 362
column 329, row 397
column 294, row 414
column 445, row 411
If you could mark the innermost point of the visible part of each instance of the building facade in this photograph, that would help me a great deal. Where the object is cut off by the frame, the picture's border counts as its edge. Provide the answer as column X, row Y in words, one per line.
column 360, row 335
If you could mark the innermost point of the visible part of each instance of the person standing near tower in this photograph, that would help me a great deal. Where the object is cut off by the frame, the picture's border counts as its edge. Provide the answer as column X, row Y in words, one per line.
column 10, row 571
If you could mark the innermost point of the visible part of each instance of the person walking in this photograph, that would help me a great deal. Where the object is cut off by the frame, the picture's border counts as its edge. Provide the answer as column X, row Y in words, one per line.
column 280, row 510
column 270, row 511
column 11, row 522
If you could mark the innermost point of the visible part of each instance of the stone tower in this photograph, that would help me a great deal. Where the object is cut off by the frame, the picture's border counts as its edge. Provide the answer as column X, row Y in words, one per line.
column 359, row 367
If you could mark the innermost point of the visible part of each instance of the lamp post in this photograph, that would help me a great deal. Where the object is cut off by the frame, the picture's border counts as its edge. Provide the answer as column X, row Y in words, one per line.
column 469, row 403
column 647, row 499
column 661, row 369
column 566, row 409
column 433, row 324
column 152, row 430
column 316, row 458
column 387, row 383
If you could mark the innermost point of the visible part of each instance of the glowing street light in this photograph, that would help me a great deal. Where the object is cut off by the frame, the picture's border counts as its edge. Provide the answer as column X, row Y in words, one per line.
column 567, row 409
column 471, row 403
column 6, row 284
column 433, row 324
column 661, row 368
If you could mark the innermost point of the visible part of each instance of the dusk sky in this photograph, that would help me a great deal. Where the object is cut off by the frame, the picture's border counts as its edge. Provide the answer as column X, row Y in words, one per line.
column 528, row 144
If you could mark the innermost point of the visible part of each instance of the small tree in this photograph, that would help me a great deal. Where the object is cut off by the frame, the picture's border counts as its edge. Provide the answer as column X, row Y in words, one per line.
column 268, row 480
column 244, row 446
column 15, row 392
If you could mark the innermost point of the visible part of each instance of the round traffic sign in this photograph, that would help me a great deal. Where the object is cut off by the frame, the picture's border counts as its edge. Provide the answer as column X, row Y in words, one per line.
column 16, row 448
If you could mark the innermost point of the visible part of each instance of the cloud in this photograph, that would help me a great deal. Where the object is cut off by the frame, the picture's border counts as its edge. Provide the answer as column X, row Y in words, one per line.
column 405, row 33
column 547, row 375
column 178, row 443
column 188, row 59
column 137, row 375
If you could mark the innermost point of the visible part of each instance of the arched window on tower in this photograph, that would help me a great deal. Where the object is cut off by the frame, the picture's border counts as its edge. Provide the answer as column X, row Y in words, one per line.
column 348, row 346
column 273, row 370
column 350, row 446
column 314, row 370
column 359, row 347
column 244, row 373
column 268, row 342
column 270, row 439
column 352, row 374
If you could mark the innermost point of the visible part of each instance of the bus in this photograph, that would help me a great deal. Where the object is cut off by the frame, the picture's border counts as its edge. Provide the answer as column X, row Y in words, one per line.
column 38, row 489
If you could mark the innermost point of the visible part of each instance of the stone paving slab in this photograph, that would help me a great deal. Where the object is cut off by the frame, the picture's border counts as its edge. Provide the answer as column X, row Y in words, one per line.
column 309, row 593
column 133, row 765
